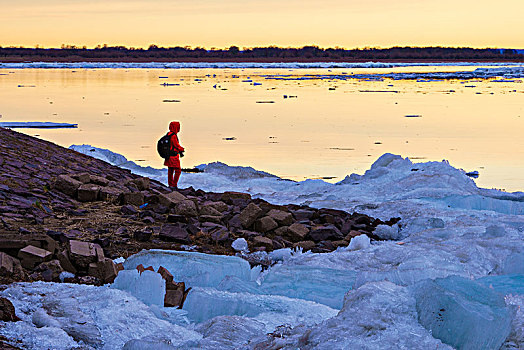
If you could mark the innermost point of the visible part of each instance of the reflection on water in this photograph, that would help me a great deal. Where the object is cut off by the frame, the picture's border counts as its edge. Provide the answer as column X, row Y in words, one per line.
column 294, row 128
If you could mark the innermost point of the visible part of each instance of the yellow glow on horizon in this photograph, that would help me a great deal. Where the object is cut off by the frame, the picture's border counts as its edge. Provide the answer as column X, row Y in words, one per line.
column 294, row 23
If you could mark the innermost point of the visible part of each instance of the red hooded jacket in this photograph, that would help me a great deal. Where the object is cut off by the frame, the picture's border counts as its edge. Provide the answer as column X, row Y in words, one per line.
column 174, row 161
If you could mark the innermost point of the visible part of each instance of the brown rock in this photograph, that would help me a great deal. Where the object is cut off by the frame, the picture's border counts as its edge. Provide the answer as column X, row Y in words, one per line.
column 209, row 218
column 283, row 218
column 210, row 210
column 305, row 245
column 82, row 177
column 230, row 197
column 260, row 241
column 324, row 233
column 297, row 232
column 31, row 256
column 249, row 215
column 134, row 198
column 173, row 298
column 88, row 193
column 67, row 185
column 142, row 183
column 82, row 253
column 9, row 266
column 50, row 270
column 341, row 243
column 66, row 264
column 186, row 208
column 352, row 234
column 265, row 224
column 109, row 194
column 166, row 275
column 171, row 199
column 282, row 231
column 220, row 206
column 174, row 233
column 98, row 180
column 104, row 270
column 7, row 311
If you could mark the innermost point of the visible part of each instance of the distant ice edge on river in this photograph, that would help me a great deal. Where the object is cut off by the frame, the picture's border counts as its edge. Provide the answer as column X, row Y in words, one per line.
column 457, row 279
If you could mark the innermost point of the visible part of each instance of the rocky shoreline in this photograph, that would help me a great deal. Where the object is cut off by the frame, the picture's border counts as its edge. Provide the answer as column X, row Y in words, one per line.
column 62, row 211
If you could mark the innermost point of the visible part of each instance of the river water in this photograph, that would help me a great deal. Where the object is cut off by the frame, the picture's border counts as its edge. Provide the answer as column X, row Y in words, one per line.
column 294, row 123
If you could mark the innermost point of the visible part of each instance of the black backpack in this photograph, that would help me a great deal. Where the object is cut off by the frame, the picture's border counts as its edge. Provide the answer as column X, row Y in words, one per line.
column 163, row 147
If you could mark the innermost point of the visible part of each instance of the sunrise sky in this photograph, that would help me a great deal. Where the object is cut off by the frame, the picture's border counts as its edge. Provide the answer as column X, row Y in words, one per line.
column 248, row 23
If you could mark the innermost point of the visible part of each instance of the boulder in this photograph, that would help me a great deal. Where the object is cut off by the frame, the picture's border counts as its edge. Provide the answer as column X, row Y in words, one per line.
column 65, row 262
column 31, row 256
column 220, row 206
column 82, row 177
column 128, row 209
column 104, row 270
column 186, row 208
column 324, row 233
column 67, row 185
column 170, row 199
column 142, row 235
column 232, row 197
column 98, row 180
column 249, row 215
column 82, row 253
column 174, row 233
column 265, row 224
column 302, row 214
column 283, row 218
column 7, row 311
column 297, row 232
column 88, row 193
column 9, row 266
column 282, row 231
column 134, row 198
column 260, row 241
column 209, row 210
column 142, row 183
column 209, row 218
column 50, row 271
column 109, row 194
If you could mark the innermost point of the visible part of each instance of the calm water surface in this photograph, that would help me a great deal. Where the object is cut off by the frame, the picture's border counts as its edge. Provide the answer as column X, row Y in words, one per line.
column 330, row 129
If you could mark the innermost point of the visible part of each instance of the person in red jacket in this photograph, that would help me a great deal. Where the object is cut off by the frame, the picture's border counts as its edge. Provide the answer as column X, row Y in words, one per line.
column 173, row 162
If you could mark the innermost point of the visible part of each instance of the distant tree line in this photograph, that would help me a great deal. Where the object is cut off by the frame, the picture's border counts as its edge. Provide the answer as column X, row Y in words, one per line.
column 269, row 54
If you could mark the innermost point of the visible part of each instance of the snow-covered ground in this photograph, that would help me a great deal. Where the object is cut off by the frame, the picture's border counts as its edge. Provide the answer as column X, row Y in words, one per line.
column 450, row 274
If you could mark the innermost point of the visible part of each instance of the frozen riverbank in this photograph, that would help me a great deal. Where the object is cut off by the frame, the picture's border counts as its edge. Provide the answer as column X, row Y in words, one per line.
column 466, row 240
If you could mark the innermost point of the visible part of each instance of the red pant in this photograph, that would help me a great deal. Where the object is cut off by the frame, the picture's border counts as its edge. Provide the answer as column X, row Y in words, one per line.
column 173, row 174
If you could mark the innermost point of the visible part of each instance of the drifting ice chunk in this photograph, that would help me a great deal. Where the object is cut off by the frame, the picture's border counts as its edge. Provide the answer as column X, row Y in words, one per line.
column 205, row 303
column 387, row 232
column 463, row 313
column 147, row 286
column 195, row 269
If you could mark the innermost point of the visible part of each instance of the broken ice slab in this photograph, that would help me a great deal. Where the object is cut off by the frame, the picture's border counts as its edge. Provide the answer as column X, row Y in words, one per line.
column 463, row 313
column 37, row 125
column 504, row 284
column 148, row 286
column 195, row 269
column 321, row 285
column 205, row 303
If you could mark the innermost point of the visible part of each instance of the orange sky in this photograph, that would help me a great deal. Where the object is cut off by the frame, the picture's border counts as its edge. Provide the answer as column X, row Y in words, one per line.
column 247, row 23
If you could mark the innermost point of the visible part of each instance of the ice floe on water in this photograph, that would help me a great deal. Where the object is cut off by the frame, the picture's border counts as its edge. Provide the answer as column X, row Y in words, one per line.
column 450, row 274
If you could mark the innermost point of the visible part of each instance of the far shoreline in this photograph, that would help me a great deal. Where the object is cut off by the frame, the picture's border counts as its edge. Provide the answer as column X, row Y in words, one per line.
column 253, row 60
